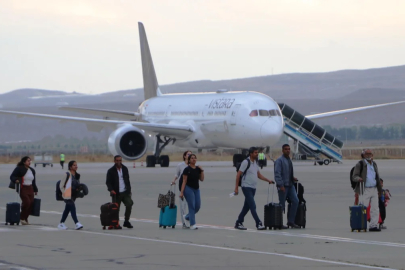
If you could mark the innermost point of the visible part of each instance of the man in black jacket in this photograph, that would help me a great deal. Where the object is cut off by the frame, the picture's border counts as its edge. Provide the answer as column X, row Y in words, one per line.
column 119, row 186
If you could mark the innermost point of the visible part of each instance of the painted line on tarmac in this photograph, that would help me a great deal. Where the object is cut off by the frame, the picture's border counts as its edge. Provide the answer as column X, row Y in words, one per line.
column 241, row 250
column 277, row 233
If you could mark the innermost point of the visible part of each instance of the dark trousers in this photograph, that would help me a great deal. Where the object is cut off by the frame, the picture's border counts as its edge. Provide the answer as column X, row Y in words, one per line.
column 125, row 197
column 249, row 205
column 383, row 213
column 70, row 207
column 61, row 163
column 27, row 198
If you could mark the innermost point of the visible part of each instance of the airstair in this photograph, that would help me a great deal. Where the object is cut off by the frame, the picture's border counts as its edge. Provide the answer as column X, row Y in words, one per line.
column 312, row 138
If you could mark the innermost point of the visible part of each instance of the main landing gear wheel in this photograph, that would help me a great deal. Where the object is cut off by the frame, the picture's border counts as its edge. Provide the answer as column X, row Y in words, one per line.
column 164, row 161
column 150, row 161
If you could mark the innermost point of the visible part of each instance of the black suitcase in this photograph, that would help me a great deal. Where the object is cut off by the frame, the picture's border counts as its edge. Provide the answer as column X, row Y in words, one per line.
column 109, row 216
column 13, row 211
column 36, row 207
column 273, row 213
column 301, row 215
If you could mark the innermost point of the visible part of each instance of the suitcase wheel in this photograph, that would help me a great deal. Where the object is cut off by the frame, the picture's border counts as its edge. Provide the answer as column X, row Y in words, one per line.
column 164, row 227
column 18, row 223
column 160, row 226
column 303, row 227
column 352, row 230
column 173, row 226
column 103, row 227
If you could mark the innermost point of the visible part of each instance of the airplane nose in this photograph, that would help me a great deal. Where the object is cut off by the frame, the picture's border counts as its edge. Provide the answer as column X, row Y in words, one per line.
column 272, row 130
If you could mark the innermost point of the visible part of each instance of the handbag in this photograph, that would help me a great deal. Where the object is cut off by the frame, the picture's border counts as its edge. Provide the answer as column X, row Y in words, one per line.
column 166, row 199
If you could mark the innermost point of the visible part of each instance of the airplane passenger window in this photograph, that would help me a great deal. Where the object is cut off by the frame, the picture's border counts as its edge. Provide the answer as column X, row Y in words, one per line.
column 263, row 113
column 253, row 113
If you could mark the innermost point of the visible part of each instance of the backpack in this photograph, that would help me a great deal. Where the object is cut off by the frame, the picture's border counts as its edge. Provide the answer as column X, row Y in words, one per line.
column 354, row 184
column 58, row 192
column 244, row 173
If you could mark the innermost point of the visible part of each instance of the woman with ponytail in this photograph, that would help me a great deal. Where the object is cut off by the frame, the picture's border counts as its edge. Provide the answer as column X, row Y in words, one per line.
column 68, row 187
column 24, row 175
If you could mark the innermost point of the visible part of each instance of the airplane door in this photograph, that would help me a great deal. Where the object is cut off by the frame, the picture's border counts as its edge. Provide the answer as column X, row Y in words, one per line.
column 234, row 114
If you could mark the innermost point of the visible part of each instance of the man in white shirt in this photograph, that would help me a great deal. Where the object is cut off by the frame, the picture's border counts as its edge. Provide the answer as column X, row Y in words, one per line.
column 119, row 187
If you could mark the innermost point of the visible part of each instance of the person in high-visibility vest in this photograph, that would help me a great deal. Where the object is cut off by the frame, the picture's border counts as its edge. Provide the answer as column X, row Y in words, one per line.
column 261, row 159
column 62, row 160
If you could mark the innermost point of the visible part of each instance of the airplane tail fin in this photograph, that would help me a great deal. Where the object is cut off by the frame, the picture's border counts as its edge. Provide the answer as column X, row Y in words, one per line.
column 150, row 83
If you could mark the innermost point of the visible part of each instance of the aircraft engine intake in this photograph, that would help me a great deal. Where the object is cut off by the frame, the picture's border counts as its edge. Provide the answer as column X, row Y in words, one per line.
column 127, row 141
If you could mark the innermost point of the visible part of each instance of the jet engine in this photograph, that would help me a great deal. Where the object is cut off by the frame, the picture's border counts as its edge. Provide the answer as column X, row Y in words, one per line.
column 127, row 141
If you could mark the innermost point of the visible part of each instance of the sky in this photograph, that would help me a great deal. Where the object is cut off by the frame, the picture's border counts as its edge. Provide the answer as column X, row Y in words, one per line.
column 92, row 46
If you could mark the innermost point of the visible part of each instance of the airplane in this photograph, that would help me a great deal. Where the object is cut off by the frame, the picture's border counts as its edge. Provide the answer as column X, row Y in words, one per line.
column 221, row 119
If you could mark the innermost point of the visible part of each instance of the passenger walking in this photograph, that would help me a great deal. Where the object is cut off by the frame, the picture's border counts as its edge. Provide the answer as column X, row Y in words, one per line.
column 249, row 174
column 179, row 175
column 69, row 186
column 284, row 177
column 366, row 171
column 180, row 169
column 120, row 188
column 190, row 189
column 25, row 175
column 62, row 160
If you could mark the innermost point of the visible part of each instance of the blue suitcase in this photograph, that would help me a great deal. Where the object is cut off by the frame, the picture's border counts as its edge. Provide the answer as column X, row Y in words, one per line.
column 168, row 214
column 168, row 217
column 358, row 215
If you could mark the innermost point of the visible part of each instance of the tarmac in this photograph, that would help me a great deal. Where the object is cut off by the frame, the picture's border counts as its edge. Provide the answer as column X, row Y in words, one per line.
column 326, row 242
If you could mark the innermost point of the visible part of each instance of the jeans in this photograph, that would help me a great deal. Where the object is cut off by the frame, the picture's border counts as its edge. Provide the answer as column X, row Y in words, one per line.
column 249, row 205
column 69, row 207
column 125, row 197
column 291, row 193
column 193, row 199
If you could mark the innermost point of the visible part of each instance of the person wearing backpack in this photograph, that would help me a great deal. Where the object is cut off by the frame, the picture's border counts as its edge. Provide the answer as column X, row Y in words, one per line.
column 68, row 187
column 354, row 184
column 247, row 177
column 366, row 171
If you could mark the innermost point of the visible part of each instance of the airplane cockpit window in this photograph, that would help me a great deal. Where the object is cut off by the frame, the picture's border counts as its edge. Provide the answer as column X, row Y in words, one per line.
column 264, row 113
column 274, row 113
column 253, row 113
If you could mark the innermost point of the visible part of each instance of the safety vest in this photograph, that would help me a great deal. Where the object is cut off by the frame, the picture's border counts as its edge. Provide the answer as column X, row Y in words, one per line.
column 261, row 156
column 62, row 157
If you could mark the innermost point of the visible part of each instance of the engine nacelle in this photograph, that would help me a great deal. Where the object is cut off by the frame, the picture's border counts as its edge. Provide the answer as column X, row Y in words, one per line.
column 127, row 141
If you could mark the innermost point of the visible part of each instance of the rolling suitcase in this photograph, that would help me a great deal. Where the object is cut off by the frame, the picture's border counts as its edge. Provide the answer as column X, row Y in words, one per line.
column 36, row 207
column 358, row 214
column 109, row 216
column 168, row 214
column 273, row 213
column 13, row 210
column 301, row 215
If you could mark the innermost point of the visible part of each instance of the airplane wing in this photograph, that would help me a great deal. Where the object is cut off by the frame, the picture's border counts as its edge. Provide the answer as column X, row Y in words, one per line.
column 334, row 113
column 124, row 115
column 178, row 131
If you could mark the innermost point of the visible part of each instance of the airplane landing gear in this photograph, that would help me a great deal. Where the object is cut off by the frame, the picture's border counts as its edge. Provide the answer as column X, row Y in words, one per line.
column 163, row 160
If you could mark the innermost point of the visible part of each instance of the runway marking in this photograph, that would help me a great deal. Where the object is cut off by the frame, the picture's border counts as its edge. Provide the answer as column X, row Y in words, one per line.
column 242, row 250
column 45, row 228
column 277, row 233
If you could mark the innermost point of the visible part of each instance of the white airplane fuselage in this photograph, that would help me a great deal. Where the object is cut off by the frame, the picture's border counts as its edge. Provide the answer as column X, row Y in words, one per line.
column 220, row 120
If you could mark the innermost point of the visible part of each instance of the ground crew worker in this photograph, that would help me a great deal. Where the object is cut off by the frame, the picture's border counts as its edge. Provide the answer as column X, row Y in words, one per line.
column 261, row 160
column 62, row 160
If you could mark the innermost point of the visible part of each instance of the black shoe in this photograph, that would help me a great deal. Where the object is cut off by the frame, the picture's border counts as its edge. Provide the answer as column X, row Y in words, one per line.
column 127, row 224
column 240, row 226
column 293, row 225
column 375, row 229
column 284, row 227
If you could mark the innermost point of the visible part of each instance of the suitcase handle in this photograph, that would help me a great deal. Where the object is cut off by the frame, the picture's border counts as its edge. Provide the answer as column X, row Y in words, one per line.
column 172, row 187
column 268, row 194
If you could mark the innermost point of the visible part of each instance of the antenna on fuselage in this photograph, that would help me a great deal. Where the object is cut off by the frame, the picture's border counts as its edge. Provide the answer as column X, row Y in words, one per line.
column 150, row 83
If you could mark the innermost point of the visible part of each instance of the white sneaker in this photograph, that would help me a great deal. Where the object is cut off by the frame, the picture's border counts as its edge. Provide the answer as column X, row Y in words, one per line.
column 194, row 227
column 79, row 226
column 62, row 226
column 187, row 222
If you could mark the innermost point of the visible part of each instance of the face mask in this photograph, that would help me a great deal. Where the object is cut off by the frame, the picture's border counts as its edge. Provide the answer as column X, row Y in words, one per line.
column 368, row 159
